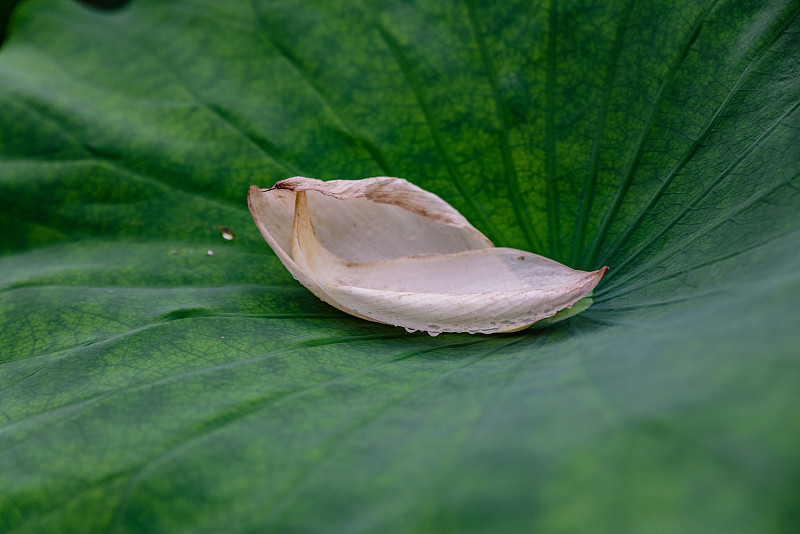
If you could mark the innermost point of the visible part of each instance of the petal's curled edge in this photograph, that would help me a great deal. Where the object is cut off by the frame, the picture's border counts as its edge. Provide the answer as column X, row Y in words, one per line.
column 470, row 287
column 272, row 211
column 386, row 190
column 366, row 220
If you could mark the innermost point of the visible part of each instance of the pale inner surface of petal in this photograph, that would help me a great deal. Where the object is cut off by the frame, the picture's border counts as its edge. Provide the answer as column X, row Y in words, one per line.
column 359, row 230
column 273, row 212
column 477, row 291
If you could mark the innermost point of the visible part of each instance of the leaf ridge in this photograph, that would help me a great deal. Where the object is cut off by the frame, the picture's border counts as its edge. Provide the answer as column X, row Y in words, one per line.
column 487, row 226
column 592, row 175
column 707, row 263
column 102, row 158
column 195, row 372
column 689, row 207
column 550, row 134
column 259, row 142
column 262, row 143
column 633, row 163
column 597, row 304
column 601, row 296
column 514, row 367
column 295, row 485
column 59, row 124
column 452, row 459
column 509, row 167
column 685, row 158
column 293, row 60
column 250, row 408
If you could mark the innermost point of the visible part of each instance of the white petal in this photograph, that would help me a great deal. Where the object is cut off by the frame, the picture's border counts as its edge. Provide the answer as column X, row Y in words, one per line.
column 396, row 254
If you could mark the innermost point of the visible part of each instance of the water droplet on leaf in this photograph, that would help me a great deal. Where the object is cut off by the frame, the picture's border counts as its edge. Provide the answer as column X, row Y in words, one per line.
column 227, row 234
column 211, row 253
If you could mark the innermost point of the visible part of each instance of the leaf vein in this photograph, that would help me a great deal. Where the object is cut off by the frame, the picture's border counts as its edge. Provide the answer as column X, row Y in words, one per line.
column 487, row 226
column 251, row 408
column 293, row 60
column 550, row 135
column 644, row 135
column 713, row 120
column 590, row 183
column 689, row 207
column 509, row 167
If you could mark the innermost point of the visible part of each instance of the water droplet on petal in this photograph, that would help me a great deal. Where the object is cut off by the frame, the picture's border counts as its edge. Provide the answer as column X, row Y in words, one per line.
column 410, row 330
column 434, row 334
column 227, row 234
column 211, row 253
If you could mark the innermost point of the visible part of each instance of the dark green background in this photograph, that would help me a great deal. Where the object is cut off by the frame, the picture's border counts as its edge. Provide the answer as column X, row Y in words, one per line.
column 147, row 386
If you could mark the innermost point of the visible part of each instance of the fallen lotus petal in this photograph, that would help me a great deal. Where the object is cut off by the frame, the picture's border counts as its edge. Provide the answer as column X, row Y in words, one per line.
column 385, row 250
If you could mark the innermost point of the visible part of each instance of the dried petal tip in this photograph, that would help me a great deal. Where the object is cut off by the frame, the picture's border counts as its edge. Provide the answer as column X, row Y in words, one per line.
column 385, row 250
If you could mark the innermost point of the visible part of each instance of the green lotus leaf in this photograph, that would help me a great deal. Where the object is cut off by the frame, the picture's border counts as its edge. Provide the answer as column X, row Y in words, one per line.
column 158, row 376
